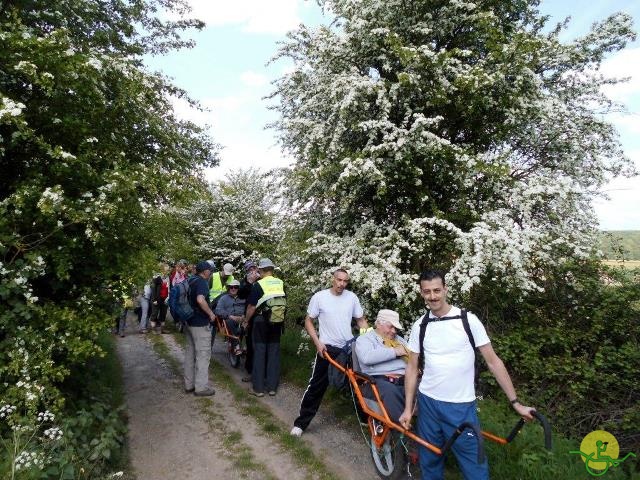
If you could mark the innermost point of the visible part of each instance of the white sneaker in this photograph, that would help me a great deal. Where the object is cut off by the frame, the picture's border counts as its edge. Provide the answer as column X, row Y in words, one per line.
column 296, row 431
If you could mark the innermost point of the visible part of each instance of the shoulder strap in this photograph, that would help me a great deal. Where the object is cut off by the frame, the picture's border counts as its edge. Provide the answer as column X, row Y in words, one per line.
column 423, row 330
column 467, row 328
column 190, row 281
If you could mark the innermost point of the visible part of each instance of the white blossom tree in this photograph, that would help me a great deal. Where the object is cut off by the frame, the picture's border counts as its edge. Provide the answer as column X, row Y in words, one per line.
column 91, row 155
column 451, row 134
column 237, row 218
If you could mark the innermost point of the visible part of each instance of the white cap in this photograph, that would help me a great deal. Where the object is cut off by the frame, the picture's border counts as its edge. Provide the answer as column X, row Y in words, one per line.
column 389, row 316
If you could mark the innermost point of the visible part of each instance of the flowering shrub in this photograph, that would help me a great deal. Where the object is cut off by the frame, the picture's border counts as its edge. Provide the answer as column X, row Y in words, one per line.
column 455, row 135
column 416, row 146
column 91, row 155
column 236, row 220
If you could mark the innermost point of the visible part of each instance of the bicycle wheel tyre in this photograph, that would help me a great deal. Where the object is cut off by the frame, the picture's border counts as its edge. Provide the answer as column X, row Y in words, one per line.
column 390, row 460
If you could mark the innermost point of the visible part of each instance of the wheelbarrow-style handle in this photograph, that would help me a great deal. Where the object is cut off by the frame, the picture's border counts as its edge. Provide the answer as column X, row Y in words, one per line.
column 515, row 431
column 546, row 427
column 461, row 428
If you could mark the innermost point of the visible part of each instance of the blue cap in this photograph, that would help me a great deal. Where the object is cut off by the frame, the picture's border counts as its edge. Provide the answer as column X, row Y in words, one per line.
column 202, row 266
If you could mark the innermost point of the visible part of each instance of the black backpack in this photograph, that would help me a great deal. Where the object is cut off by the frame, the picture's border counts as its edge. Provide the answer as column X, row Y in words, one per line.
column 465, row 324
column 338, row 379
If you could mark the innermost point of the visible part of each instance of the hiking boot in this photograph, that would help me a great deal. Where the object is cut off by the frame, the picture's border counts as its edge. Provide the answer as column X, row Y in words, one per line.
column 272, row 393
column 296, row 432
column 246, row 379
column 189, row 390
column 256, row 394
column 205, row 393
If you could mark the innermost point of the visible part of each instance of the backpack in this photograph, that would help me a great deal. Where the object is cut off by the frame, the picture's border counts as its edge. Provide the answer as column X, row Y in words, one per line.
column 164, row 289
column 465, row 324
column 338, row 379
column 274, row 309
column 180, row 301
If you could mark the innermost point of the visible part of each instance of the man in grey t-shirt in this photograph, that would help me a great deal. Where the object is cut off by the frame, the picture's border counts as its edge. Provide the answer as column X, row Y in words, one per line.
column 334, row 308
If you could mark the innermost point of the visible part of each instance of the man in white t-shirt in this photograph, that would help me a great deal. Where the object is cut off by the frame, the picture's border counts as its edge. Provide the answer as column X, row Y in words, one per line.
column 334, row 308
column 446, row 394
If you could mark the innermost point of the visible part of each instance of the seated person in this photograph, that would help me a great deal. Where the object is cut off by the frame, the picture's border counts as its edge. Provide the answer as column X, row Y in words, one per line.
column 231, row 308
column 383, row 355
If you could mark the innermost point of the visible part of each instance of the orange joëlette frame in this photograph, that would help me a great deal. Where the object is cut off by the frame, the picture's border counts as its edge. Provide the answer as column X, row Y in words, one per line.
column 354, row 376
column 222, row 328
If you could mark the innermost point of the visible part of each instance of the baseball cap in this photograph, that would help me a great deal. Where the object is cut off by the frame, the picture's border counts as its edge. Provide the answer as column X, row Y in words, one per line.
column 265, row 263
column 203, row 265
column 249, row 264
column 228, row 269
column 389, row 316
column 233, row 283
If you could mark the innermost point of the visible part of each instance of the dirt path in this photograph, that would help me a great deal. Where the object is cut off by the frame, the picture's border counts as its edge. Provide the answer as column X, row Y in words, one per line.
column 339, row 444
column 175, row 435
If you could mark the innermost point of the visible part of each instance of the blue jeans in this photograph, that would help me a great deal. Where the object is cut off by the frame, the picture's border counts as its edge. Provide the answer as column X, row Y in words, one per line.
column 144, row 315
column 437, row 421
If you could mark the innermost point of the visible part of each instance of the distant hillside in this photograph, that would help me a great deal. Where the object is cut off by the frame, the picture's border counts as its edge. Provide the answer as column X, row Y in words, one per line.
column 629, row 240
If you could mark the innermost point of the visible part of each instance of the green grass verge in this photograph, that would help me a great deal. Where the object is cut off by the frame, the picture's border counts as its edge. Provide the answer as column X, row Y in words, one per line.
column 526, row 458
column 99, row 382
column 617, row 243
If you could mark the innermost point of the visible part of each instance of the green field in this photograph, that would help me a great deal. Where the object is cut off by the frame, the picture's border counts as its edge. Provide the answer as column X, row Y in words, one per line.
column 625, row 241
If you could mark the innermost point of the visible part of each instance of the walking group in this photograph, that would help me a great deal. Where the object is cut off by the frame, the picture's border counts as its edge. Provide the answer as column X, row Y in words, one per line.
column 430, row 376
column 251, row 308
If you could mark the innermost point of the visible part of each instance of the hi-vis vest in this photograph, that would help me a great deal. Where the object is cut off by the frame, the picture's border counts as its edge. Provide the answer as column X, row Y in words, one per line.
column 216, row 285
column 272, row 287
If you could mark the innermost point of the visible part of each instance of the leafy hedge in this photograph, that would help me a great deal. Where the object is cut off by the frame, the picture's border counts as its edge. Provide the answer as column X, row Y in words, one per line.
column 91, row 156
column 573, row 352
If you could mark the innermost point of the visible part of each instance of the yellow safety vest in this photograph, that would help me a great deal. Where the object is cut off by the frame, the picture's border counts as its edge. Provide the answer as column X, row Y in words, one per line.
column 271, row 287
column 216, row 285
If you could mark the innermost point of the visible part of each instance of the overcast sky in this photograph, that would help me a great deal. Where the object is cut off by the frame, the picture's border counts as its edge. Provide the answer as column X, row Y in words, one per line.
column 227, row 73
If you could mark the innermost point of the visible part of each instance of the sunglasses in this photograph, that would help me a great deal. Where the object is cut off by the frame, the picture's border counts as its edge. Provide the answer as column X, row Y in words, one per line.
column 234, row 287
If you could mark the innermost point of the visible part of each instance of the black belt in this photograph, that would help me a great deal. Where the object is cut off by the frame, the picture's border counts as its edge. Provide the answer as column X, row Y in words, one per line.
column 395, row 380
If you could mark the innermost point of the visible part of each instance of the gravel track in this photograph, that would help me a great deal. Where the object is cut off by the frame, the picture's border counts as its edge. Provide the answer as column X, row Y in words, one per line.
column 175, row 435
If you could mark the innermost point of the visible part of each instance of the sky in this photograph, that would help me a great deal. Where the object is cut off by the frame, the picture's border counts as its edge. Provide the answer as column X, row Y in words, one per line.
column 229, row 73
